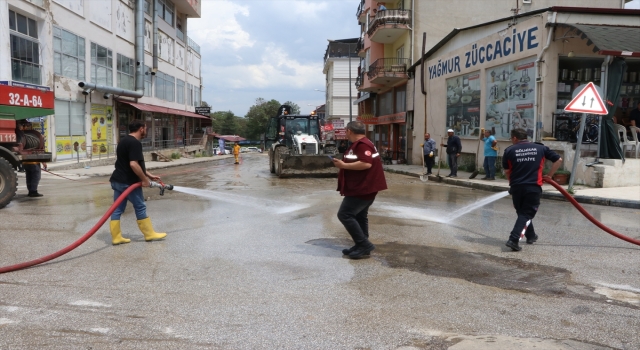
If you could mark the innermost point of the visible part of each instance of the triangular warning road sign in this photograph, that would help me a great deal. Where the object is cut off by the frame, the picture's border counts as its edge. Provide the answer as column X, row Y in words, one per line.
column 587, row 101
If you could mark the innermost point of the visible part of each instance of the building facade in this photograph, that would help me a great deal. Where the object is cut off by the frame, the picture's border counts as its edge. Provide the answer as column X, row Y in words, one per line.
column 340, row 69
column 107, row 64
column 521, row 72
column 392, row 39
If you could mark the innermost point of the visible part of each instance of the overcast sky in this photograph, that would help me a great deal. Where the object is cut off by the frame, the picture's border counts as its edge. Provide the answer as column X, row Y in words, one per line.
column 270, row 49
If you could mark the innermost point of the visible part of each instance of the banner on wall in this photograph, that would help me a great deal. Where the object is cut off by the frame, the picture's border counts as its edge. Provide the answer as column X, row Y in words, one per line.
column 511, row 92
column 70, row 146
column 101, row 128
column 463, row 105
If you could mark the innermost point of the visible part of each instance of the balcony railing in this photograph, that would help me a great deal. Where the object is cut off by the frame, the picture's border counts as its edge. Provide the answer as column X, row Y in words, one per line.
column 192, row 44
column 359, row 80
column 179, row 34
column 360, row 9
column 359, row 45
column 341, row 50
column 389, row 17
column 396, row 66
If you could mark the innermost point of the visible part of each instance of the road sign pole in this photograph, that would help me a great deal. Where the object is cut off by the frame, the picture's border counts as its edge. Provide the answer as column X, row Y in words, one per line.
column 576, row 157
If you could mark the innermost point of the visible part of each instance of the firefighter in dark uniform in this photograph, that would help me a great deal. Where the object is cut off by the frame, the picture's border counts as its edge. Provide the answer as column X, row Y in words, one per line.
column 360, row 179
column 523, row 163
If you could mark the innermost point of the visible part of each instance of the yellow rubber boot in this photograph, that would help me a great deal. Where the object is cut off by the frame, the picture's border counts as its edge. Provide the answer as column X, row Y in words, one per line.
column 148, row 232
column 116, row 233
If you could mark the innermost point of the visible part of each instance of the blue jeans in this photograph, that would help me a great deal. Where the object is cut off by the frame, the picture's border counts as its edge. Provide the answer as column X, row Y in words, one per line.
column 490, row 166
column 453, row 163
column 353, row 215
column 33, row 174
column 135, row 197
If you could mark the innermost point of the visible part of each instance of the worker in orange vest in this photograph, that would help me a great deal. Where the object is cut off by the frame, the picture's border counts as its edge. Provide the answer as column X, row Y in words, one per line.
column 236, row 152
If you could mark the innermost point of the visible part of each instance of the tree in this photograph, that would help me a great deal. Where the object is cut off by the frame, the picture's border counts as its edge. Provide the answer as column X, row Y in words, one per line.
column 258, row 116
column 295, row 109
column 224, row 123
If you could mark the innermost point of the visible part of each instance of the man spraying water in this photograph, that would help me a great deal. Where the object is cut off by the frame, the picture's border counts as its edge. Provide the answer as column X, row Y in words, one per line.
column 523, row 163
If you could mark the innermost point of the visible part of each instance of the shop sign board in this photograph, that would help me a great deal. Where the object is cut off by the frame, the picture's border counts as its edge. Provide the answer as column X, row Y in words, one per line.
column 25, row 97
column 588, row 100
column 517, row 42
column 205, row 111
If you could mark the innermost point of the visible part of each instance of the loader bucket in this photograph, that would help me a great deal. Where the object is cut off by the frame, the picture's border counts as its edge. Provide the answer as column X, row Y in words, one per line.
column 307, row 165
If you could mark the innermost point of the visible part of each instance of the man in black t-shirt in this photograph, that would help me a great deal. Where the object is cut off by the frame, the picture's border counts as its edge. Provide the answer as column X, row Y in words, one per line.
column 129, row 169
column 523, row 163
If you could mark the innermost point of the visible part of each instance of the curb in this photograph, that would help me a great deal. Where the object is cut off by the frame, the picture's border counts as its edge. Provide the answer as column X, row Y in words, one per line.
column 621, row 203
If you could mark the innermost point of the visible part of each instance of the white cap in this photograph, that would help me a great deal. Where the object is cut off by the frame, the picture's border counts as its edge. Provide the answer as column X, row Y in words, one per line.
column 450, row 130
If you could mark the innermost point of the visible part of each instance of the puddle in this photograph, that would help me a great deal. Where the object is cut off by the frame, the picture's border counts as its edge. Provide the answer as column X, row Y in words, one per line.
column 485, row 269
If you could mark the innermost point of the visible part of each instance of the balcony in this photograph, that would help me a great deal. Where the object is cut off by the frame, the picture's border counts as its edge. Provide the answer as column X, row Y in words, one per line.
column 360, row 48
column 388, row 25
column 361, row 14
column 179, row 34
column 359, row 80
column 388, row 71
column 192, row 8
column 192, row 44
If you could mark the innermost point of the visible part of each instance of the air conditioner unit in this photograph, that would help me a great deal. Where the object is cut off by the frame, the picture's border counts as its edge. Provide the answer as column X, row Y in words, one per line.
column 526, row 1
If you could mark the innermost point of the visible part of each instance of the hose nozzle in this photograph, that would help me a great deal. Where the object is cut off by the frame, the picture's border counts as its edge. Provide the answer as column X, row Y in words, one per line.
column 161, row 186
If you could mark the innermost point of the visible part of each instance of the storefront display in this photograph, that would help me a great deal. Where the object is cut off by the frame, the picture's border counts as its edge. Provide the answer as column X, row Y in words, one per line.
column 463, row 104
column 511, row 98
column 101, row 128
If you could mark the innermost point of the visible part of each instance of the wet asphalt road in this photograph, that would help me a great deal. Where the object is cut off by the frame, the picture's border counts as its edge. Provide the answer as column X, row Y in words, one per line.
column 241, row 268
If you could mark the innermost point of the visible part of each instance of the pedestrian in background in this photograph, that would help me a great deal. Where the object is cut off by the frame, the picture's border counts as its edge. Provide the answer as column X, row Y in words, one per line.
column 236, row 153
column 360, row 179
column 129, row 169
column 428, row 150
column 454, row 147
column 33, row 174
column 343, row 147
column 523, row 163
column 490, row 154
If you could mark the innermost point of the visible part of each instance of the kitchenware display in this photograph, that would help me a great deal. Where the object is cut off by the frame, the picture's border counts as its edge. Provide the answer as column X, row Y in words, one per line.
column 625, row 77
column 572, row 75
column 588, row 74
column 493, row 76
column 466, row 99
column 579, row 75
column 505, row 123
column 493, row 92
column 596, row 74
column 623, row 89
column 565, row 74
column 637, row 89
column 465, row 127
column 511, row 89
column 454, row 99
column 633, row 77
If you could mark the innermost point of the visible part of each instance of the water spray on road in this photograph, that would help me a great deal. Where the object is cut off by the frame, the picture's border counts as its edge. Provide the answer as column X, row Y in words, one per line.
column 414, row 213
column 269, row 205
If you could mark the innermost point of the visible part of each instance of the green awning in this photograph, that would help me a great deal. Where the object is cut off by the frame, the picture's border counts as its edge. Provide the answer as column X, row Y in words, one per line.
column 21, row 113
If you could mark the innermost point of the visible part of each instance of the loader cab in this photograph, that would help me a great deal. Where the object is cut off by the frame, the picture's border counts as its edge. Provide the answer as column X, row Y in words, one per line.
column 282, row 127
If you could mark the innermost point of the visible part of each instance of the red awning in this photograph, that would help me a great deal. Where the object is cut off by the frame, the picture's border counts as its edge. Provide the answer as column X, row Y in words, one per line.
column 230, row 138
column 158, row 109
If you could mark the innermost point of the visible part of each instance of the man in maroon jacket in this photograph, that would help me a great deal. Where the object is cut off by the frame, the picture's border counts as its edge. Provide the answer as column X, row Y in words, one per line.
column 360, row 178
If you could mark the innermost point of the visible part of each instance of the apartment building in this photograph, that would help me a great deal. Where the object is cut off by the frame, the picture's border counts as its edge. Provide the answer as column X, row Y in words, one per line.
column 107, row 62
column 391, row 41
column 341, row 71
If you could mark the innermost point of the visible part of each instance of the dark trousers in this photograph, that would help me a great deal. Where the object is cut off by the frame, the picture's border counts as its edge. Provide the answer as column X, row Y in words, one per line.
column 428, row 162
column 453, row 163
column 33, row 174
column 353, row 215
column 490, row 166
column 526, row 200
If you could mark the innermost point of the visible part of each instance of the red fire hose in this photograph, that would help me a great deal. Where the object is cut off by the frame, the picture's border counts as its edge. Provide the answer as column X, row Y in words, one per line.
column 77, row 243
column 587, row 215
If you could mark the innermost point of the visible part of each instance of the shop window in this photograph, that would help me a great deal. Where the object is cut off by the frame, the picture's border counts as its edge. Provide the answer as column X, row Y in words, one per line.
column 126, row 68
column 385, row 103
column 510, row 98
column 101, row 65
column 165, row 10
column 25, row 49
column 401, row 99
column 463, row 104
column 180, row 91
column 196, row 96
column 68, row 54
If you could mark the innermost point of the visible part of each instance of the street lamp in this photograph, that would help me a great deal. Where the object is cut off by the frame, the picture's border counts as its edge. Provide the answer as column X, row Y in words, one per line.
column 350, row 101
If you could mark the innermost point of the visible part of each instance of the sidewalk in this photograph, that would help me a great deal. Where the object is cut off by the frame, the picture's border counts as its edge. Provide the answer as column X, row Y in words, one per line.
column 626, row 197
column 104, row 167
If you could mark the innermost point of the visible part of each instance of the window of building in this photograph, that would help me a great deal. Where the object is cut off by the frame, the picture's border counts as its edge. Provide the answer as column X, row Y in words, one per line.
column 69, row 118
column 401, row 99
column 147, row 84
column 165, row 87
column 101, row 65
column 189, row 94
column 180, row 91
column 165, row 10
column 400, row 54
column 126, row 68
column 68, row 54
column 196, row 96
column 147, row 7
column 25, row 49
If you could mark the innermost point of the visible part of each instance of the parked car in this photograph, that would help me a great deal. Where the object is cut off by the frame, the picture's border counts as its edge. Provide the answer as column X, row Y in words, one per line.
column 216, row 150
column 254, row 149
column 244, row 150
